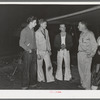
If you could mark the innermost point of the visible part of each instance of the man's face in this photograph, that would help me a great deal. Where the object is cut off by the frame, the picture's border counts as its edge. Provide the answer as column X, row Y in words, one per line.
column 44, row 25
column 81, row 26
column 62, row 27
column 33, row 23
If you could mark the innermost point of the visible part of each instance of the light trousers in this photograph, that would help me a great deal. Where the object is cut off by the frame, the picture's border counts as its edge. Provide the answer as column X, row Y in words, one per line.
column 49, row 70
column 63, row 54
column 84, row 67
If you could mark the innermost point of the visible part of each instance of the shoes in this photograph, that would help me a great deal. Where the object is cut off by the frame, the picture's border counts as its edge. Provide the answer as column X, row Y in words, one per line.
column 69, row 80
column 94, row 87
column 24, row 88
column 72, row 79
column 33, row 86
column 80, row 86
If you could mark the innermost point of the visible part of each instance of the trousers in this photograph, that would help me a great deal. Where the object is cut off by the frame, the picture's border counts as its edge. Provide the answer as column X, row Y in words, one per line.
column 49, row 70
column 29, row 74
column 84, row 67
column 63, row 54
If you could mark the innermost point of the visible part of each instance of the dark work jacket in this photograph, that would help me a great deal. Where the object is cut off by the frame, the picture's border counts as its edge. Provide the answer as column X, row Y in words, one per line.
column 68, row 42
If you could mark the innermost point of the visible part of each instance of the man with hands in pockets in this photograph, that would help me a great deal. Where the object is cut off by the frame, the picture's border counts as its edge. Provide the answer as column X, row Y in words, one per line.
column 28, row 43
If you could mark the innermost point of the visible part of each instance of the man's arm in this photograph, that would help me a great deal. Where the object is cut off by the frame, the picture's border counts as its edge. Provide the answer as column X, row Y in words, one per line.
column 57, row 44
column 70, row 42
column 48, row 42
column 93, row 45
column 22, row 41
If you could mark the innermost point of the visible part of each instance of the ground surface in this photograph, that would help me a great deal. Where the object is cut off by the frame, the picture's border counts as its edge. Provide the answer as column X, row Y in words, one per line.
column 7, row 83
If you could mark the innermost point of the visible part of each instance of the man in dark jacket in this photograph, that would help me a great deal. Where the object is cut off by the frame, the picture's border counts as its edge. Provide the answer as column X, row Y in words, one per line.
column 63, row 43
column 28, row 43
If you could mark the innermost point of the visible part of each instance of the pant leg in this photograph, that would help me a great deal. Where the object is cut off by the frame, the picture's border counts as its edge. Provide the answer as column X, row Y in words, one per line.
column 87, row 78
column 25, row 73
column 49, row 68
column 84, row 66
column 33, row 68
column 59, row 74
column 96, row 80
column 81, row 65
column 67, row 75
column 40, row 73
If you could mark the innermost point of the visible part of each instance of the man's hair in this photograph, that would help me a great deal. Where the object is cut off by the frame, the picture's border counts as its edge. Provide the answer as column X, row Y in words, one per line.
column 30, row 19
column 85, row 23
column 41, row 21
column 62, row 25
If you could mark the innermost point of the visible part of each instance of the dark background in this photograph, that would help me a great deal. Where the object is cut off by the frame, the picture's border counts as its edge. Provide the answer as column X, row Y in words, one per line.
column 13, row 20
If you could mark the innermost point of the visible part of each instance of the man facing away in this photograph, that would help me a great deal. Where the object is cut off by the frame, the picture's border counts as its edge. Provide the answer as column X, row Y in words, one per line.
column 63, row 43
column 86, row 50
column 43, row 53
column 28, row 43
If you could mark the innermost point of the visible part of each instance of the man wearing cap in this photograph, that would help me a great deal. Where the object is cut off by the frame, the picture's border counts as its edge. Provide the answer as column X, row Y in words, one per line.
column 63, row 43
column 28, row 43
column 43, row 52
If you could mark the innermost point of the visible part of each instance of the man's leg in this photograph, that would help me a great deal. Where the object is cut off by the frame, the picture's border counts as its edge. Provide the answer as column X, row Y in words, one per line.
column 67, row 75
column 33, row 69
column 25, row 74
column 59, row 75
column 87, row 71
column 49, row 68
column 81, row 57
column 40, row 73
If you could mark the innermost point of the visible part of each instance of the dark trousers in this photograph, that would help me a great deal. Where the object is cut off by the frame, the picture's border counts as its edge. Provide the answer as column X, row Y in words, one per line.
column 29, row 73
column 95, row 77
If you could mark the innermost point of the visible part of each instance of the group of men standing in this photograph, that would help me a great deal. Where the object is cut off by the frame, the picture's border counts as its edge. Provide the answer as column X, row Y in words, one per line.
column 37, row 48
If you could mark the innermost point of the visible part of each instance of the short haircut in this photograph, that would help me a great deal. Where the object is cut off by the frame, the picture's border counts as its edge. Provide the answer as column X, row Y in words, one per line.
column 42, row 21
column 62, row 25
column 85, row 23
column 30, row 19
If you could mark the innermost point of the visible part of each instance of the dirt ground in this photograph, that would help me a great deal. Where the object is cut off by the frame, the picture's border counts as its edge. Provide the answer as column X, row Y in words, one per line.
column 7, row 82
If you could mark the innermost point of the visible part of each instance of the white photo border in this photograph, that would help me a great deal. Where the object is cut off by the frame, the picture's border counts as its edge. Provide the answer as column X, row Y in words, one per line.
column 50, row 94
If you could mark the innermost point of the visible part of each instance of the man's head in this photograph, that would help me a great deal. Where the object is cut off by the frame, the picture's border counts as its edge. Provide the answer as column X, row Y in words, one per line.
column 62, row 27
column 82, row 26
column 43, row 23
column 32, row 21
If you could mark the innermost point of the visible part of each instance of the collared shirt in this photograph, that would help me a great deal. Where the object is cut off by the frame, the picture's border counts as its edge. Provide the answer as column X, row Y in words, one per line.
column 43, row 44
column 87, row 43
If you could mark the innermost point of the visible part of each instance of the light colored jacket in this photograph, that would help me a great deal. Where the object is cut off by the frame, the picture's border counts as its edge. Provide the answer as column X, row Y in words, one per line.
column 42, row 43
column 87, row 43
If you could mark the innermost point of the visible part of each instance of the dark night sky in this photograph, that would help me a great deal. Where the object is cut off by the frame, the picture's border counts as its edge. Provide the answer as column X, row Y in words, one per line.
column 13, row 16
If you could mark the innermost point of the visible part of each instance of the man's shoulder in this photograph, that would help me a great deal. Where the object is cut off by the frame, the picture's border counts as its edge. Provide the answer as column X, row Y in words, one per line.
column 68, row 35
column 38, row 31
column 58, row 35
column 90, row 33
column 24, row 30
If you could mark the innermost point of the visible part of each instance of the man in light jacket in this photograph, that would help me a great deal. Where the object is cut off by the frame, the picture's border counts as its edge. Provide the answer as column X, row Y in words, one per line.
column 43, row 52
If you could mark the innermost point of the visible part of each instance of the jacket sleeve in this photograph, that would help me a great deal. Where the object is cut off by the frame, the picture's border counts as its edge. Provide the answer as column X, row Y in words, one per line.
column 57, row 44
column 22, row 40
column 93, row 45
column 48, row 42
column 69, row 42
column 37, row 41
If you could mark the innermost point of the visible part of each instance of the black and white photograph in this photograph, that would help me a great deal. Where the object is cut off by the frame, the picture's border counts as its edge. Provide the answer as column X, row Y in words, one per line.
column 50, row 47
